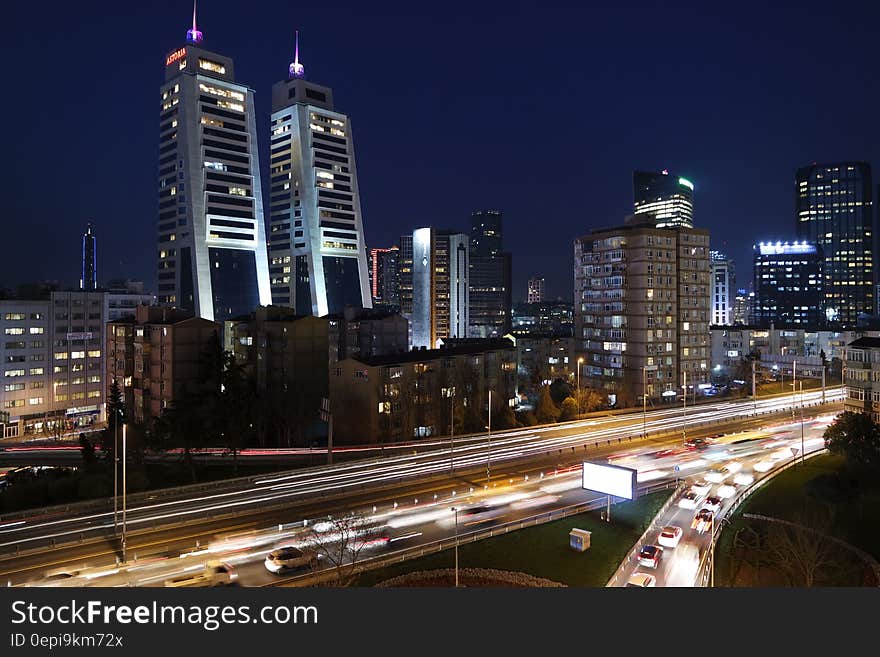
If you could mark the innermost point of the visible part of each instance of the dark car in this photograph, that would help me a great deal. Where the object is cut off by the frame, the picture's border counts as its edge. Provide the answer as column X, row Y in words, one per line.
column 650, row 555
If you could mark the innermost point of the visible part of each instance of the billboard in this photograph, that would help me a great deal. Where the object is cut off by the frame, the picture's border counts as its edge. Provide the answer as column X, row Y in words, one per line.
column 609, row 479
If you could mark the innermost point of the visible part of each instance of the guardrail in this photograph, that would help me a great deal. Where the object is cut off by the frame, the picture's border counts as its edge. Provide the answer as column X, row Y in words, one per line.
column 619, row 575
column 704, row 571
column 182, row 492
column 389, row 559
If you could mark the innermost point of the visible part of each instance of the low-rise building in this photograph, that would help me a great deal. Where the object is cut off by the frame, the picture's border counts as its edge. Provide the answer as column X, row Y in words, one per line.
column 421, row 393
column 862, row 377
column 541, row 359
column 156, row 357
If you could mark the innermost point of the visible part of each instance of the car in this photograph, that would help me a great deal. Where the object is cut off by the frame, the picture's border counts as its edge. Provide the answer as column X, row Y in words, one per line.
column 696, row 443
column 670, row 536
column 641, row 580
column 701, row 487
column 215, row 573
column 763, row 466
column 690, row 500
column 716, row 475
column 726, row 491
column 733, row 467
column 712, row 503
column 289, row 557
column 650, row 555
column 744, row 478
column 702, row 522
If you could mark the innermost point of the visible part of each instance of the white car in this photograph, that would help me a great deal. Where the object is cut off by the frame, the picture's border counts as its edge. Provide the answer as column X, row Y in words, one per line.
column 670, row 536
column 744, row 478
column 215, row 573
column 690, row 500
column 713, row 504
column 733, row 467
column 701, row 487
column 725, row 491
column 717, row 475
column 763, row 466
column 641, row 580
column 288, row 557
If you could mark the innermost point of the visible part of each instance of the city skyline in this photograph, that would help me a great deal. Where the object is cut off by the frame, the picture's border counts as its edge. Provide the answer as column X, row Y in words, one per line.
column 760, row 150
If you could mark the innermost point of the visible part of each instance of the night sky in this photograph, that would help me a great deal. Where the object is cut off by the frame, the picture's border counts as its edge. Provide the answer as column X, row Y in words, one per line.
column 539, row 109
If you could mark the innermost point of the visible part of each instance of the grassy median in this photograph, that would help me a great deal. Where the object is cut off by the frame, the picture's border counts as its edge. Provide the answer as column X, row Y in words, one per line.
column 543, row 550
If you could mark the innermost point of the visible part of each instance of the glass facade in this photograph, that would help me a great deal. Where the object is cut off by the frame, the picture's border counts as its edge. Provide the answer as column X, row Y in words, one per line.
column 669, row 198
column 233, row 272
column 833, row 203
column 788, row 284
column 342, row 278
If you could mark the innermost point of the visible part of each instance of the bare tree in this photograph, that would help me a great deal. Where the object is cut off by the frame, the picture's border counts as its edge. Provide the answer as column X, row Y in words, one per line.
column 802, row 549
column 339, row 542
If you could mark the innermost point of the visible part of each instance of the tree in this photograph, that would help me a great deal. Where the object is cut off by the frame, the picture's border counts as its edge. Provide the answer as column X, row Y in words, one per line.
column 87, row 450
column 559, row 391
column 546, row 411
column 856, row 437
column 339, row 543
column 115, row 418
column 802, row 550
column 590, row 400
column 569, row 410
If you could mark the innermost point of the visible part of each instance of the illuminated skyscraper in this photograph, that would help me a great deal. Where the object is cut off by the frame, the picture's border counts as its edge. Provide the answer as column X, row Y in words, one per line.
column 212, row 239
column 788, row 284
column 669, row 198
column 318, row 262
column 89, row 278
column 834, row 210
column 536, row 290
column 723, row 278
column 385, row 277
column 440, row 291
column 490, row 302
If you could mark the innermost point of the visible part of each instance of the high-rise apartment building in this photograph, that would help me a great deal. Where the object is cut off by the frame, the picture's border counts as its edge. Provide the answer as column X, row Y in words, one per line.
column 536, row 290
column 642, row 308
column 667, row 197
column 490, row 295
column 385, row 277
column 742, row 306
column 212, row 239
column 405, row 272
column 89, row 278
column 318, row 260
column 834, row 210
column 440, row 290
column 723, row 281
column 788, row 284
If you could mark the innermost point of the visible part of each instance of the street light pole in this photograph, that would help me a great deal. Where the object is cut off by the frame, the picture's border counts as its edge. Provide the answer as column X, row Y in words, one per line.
column 802, row 422
column 489, row 437
column 644, row 401
column 579, row 361
column 452, row 430
column 455, row 510
column 712, row 553
column 684, row 375
column 754, row 389
column 124, row 468
column 793, row 385
column 115, row 470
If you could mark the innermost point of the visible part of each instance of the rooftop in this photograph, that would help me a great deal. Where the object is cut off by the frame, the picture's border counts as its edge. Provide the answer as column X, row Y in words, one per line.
column 471, row 346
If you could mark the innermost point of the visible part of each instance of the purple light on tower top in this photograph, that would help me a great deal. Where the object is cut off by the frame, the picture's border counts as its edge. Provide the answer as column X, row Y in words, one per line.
column 193, row 35
column 296, row 70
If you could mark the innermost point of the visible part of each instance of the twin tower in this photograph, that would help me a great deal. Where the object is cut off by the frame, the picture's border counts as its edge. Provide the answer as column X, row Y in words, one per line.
column 217, row 255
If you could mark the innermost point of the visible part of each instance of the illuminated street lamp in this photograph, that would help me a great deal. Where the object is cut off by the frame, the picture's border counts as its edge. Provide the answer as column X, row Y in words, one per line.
column 580, row 362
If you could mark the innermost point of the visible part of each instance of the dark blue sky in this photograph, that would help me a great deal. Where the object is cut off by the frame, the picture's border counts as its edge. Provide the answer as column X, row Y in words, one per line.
column 541, row 110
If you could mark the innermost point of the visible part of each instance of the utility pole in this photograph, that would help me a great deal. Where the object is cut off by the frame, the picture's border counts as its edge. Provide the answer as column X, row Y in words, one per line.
column 793, row 385
column 644, row 401
column 802, row 422
column 452, row 430
column 823, row 381
column 754, row 389
column 455, row 511
column 684, row 376
column 489, row 437
column 327, row 417
column 124, row 489
column 115, row 470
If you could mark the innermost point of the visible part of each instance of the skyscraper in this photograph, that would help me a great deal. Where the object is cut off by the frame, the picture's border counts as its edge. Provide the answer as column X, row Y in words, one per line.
column 723, row 280
column 669, row 198
column 89, row 278
column 536, row 290
column 833, row 204
column 212, row 239
column 385, row 277
column 316, row 240
column 788, row 284
column 490, row 300
column 440, row 299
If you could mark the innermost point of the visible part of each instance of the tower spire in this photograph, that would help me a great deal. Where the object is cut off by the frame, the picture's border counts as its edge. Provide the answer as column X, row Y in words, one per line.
column 296, row 70
column 193, row 35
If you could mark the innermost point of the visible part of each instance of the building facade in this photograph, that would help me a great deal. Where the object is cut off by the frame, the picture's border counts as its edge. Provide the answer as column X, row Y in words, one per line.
column 440, row 286
column 157, row 357
column 211, row 235
column 52, row 357
column 385, row 277
column 316, row 239
column 723, row 282
column 489, row 277
column 742, row 306
column 789, row 284
column 536, row 290
column 642, row 309
column 667, row 197
column 88, row 280
column 862, row 377
column 834, row 208
column 421, row 393
column 554, row 318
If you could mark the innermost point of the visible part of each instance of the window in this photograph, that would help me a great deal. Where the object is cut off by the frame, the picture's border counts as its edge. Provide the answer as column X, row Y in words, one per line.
column 94, row 353
column 14, row 317
column 15, row 330
column 77, row 354
column 36, row 371
column 94, row 393
column 35, row 401
column 12, row 387
column 11, row 373
column 60, row 355
column 208, row 65
column 37, row 330
column 13, row 403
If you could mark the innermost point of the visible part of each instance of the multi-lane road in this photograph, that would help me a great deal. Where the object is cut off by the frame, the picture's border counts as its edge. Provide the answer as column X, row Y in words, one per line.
column 172, row 521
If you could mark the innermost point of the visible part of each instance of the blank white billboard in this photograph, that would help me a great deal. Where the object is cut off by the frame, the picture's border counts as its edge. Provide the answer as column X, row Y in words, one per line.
column 609, row 479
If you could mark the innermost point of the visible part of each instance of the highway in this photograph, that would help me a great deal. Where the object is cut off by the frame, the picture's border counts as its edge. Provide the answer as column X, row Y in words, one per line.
column 246, row 503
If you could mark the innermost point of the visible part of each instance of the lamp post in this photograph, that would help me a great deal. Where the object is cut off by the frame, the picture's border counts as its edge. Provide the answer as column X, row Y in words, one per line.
column 124, row 463
column 115, row 470
column 452, row 430
column 684, row 405
column 712, row 552
column 802, row 422
column 489, row 444
column 455, row 511
column 579, row 363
